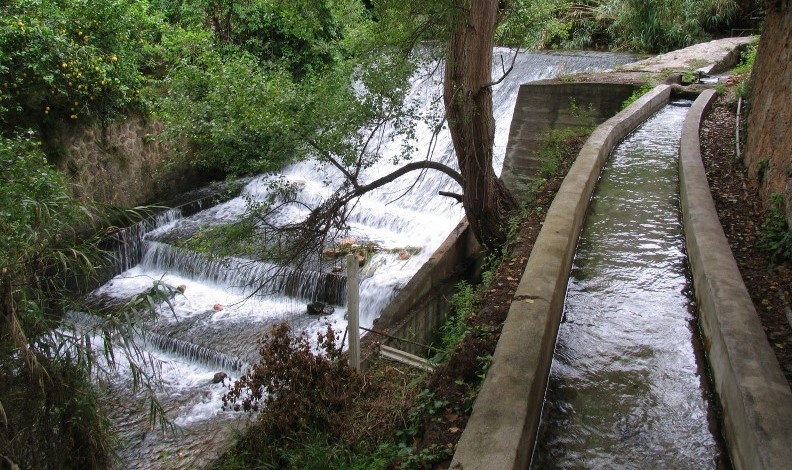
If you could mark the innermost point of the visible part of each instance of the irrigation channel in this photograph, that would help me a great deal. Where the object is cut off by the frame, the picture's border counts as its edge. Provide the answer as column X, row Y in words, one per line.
column 628, row 388
column 227, row 305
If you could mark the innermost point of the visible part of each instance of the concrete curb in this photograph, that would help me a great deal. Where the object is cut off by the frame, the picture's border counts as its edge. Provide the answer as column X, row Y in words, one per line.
column 755, row 396
column 502, row 428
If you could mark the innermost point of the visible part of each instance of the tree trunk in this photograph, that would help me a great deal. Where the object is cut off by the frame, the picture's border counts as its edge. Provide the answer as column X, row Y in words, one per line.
column 468, row 100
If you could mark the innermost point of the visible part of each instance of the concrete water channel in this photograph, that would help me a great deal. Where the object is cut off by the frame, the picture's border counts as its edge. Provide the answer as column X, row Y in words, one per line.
column 627, row 389
column 607, row 388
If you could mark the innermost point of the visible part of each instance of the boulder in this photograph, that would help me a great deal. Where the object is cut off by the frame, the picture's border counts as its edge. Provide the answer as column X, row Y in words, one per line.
column 320, row 308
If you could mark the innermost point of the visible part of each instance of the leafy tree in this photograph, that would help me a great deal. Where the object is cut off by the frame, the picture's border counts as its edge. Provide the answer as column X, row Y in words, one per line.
column 234, row 113
column 325, row 107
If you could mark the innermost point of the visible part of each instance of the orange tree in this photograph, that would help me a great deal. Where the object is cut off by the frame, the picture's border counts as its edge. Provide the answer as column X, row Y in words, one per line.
column 71, row 59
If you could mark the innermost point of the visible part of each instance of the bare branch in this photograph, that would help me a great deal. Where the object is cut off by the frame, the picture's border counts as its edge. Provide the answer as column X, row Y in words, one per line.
column 456, row 196
column 327, row 155
column 505, row 72
column 426, row 164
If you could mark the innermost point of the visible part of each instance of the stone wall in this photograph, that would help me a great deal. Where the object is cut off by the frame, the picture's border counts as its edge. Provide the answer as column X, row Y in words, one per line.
column 768, row 150
column 119, row 163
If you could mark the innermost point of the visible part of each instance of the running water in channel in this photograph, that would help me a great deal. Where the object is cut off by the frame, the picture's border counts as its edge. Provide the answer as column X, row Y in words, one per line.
column 627, row 389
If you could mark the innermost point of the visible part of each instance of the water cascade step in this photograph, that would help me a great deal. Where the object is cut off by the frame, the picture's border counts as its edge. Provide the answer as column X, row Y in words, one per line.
column 224, row 306
column 627, row 388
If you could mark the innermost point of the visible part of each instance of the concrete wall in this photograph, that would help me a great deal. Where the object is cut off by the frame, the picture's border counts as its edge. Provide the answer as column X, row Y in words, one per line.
column 542, row 106
column 502, row 428
column 755, row 396
column 422, row 306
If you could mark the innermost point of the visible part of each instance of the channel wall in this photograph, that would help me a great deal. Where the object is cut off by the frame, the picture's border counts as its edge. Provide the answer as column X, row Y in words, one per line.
column 753, row 392
column 502, row 428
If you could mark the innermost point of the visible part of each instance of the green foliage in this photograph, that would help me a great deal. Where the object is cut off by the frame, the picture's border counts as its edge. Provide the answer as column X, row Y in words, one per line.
column 655, row 25
column 321, row 453
column 235, row 114
column 463, row 303
column 743, row 70
column 747, row 60
column 645, row 88
column 32, row 197
column 72, row 60
column 531, row 24
column 246, row 107
column 776, row 237
column 646, row 25
column 49, row 257
column 426, row 407
column 58, row 425
column 552, row 150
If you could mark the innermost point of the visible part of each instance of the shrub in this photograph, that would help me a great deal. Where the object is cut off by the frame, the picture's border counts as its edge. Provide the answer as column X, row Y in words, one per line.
column 299, row 394
column 72, row 60
column 48, row 407
column 775, row 237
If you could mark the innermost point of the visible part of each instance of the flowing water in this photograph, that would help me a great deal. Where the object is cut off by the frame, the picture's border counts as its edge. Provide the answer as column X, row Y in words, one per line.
column 626, row 388
column 225, row 307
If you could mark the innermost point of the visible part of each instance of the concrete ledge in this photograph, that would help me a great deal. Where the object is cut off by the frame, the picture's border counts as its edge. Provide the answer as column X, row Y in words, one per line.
column 545, row 105
column 502, row 428
column 755, row 396
column 423, row 304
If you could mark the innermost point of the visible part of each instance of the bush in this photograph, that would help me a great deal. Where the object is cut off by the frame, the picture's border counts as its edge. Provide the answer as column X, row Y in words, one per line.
column 233, row 112
column 300, row 395
column 776, row 237
column 50, row 414
column 72, row 60
column 648, row 25
column 48, row 406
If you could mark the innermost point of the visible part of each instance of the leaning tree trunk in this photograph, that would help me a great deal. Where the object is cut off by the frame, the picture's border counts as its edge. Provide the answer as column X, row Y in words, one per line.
column 468, row 101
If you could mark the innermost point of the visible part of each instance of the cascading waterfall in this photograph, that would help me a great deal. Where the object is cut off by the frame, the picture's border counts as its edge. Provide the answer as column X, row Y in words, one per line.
column 129, row 245
column 218, row 311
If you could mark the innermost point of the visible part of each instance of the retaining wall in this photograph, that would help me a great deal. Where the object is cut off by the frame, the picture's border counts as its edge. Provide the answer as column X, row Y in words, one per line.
column 502, row 428
column 423, row 305
column 542, row 106
column 120, row 163
column 755, row 396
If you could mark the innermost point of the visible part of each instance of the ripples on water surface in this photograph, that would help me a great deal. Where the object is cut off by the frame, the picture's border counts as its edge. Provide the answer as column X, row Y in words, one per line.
column 625, row 389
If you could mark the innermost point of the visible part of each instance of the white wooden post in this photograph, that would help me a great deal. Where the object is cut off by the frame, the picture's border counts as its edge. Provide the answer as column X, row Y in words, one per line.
column 353, row 310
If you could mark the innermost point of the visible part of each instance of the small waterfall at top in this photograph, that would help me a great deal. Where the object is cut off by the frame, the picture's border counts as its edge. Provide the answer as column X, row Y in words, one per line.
column 224, row 308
